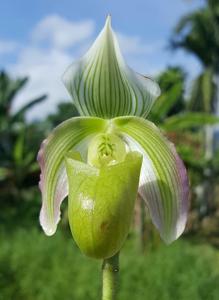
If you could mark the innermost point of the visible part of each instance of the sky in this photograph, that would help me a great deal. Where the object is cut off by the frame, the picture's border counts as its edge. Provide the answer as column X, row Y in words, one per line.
column 40, row 39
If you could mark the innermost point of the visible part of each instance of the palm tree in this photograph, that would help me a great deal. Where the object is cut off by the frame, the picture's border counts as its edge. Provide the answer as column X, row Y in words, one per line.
column 171, row 101
column 198, row 33
column 9, row 88
column 12, row 123
column 171, row 110
column 18, row 141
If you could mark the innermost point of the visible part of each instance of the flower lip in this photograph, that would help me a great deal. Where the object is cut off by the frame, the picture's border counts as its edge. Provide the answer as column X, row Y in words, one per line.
column 102, row 199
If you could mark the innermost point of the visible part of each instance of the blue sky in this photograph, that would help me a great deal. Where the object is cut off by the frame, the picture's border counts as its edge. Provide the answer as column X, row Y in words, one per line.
column 41, row 38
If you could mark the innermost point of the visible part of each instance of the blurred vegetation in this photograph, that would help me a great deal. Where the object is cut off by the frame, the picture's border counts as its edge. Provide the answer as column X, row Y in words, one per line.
column 35, row 267
column 53, row 269
column 198, row 34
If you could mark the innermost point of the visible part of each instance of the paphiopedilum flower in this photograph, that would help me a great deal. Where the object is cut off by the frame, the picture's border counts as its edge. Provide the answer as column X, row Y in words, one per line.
column 102, row 159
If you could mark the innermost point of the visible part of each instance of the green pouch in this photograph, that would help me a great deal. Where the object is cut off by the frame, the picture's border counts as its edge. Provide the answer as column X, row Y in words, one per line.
column 101, row 203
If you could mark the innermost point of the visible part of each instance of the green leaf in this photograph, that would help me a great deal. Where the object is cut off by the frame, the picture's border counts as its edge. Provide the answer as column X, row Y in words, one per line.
column 101, row 84
column 4, row 173
column 19, row 148
column 21, row 112
column 203, row 90
column 163, row 180
column 9, row 88
column 167, row 101
column 73, row 134
column 189, row 120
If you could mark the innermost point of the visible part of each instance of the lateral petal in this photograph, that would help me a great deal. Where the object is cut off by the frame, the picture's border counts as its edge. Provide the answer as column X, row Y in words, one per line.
column 73, row 134
column 163, row 181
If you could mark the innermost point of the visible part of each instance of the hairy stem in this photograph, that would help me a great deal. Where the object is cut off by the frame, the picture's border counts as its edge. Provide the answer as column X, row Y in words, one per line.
column 110, row 270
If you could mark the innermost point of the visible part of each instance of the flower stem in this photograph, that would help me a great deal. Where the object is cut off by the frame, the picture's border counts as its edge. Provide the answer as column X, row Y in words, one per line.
column 110, row 277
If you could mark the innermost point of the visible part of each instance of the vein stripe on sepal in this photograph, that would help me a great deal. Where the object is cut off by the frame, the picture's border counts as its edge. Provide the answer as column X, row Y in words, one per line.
column 101, row 84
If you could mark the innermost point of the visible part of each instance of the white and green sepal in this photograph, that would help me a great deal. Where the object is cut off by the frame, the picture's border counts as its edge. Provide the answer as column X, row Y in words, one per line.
column 102, row 85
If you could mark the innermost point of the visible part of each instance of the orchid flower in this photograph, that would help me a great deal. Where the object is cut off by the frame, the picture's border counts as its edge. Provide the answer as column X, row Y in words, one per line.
column 109, row 154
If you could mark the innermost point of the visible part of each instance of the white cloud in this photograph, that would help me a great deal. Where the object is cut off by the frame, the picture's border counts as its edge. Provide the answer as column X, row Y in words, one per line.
column 45, row 64
column 142, row 56
column 44, row 67
column 7, row 46
column 134, row 45
column 54, row 43
column 62, row 33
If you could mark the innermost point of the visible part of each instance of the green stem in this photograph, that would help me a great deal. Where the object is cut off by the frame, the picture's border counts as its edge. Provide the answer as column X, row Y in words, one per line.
column 110, row 277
